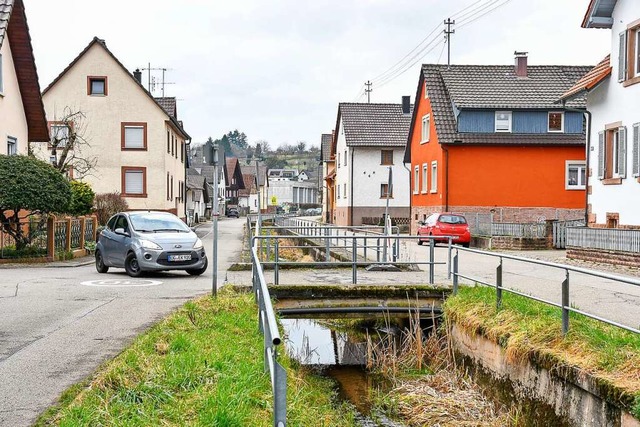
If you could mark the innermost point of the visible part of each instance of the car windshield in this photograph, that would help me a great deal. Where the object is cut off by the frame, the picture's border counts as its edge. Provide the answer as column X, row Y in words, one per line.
column 452, row 219
column 153, row 223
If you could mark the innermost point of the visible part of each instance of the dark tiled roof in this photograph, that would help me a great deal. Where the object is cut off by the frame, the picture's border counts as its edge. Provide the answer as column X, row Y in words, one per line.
column 195, row 181
column 374, row 125
column 249, row 184
column 251, row 169
column 325, row 146
column 168, row 104
column 497, row 86
column 5, row 13
column 590, row 80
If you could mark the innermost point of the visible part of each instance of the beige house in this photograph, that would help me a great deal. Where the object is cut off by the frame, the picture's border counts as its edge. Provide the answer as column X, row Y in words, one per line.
column 136, row 142
column 22, row 117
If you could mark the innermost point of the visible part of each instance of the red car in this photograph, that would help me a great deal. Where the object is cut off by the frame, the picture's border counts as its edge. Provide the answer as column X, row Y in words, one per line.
column 445, row 224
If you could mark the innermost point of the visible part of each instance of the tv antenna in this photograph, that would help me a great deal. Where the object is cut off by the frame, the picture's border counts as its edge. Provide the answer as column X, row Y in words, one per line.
column 152, row 81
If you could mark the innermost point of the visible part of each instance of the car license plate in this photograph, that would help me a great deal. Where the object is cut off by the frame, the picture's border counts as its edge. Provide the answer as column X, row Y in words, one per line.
column 180, row 257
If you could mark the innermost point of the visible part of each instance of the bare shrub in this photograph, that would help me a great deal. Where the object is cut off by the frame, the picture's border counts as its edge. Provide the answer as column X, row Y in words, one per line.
column 108, row 204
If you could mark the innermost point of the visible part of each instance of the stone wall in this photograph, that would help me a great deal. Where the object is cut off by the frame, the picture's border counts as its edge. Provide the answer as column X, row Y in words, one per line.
column 628, row 259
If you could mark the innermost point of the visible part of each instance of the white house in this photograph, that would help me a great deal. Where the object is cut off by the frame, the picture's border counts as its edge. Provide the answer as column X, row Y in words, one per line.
column 22, row 116
column 369, row 143
column 197, row 197
column 613, row 90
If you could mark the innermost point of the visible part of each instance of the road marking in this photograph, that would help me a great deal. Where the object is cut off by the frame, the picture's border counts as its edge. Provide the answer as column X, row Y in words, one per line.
column 121, row 283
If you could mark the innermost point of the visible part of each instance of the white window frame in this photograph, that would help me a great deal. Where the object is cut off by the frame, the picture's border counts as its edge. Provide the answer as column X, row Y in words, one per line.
column 582, row 168
column 561, row 122
column 615, row 164
column 434, row 176
column 12, row 142
column 425, row 177
column 416, row 179
column 426, row 127
column 509, row 121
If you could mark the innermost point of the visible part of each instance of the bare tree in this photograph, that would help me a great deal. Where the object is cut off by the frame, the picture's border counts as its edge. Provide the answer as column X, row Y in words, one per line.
column 68, row 141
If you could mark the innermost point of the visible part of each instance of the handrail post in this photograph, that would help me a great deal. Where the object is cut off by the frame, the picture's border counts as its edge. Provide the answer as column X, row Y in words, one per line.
column 432, row 245
column 455, row 273
column 276, row 272
column 354, row 260
column 449, row 256
column 327, row 244
column 378, row 250
column 499, row 285
column 565, row 304
column 365, row 247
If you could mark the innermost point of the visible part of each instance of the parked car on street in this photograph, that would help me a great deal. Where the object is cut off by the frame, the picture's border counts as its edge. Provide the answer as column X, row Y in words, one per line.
column 149, row 241
column 233, row 213
column 445, row 224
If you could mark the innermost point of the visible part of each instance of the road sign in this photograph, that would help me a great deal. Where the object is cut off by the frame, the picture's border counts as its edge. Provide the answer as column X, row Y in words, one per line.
column 121, row 283
column 274, row 200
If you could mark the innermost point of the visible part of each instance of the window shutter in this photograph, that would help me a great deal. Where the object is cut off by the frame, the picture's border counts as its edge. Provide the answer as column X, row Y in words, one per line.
column 636, row 149
column 622, row 57
column 133, row 182
column 622, row 151
column 601, row 153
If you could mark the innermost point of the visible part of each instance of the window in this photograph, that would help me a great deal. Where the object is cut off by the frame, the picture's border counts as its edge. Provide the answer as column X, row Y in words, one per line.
column 434, row 177
column 338, row 193
column 97, row 86
column 636, row 150
column 344, row 188
column 425, row 176
column 636, row 53
column 576, row 175
column 168, row 142
column 386, row 157
column 338, row 162
column 556, row 122
column 629, row 55
column 416, row 180
column 12, row 146
column 345, row 157
column 59, row 134
column 134, row 136
column 134, row 181
column 182, row 152
column 171, row 188
column 384, row 192
column 503, row 121
column 612, row 154
column 167, row 185
column 426, row 126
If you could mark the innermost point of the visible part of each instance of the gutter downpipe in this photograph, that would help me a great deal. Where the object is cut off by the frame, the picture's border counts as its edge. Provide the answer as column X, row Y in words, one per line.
column 353, row 152
column 588, row 155
column 446, row 177
column 410, row 195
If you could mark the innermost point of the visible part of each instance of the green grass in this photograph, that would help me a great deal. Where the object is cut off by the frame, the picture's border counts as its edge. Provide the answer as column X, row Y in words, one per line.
column 202, row 366
column 527, row 329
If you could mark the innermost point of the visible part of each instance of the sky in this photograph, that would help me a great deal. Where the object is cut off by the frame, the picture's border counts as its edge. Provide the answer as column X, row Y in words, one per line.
column 277, row 69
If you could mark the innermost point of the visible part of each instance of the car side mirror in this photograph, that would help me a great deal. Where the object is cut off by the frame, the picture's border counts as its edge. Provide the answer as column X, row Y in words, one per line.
column 120, row 231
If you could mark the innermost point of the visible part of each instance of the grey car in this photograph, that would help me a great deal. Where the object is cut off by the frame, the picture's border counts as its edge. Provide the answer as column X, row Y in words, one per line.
column 149, row 241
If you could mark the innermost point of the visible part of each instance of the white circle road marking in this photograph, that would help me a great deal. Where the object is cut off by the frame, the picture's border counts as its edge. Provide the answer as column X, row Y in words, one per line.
column 121, row 283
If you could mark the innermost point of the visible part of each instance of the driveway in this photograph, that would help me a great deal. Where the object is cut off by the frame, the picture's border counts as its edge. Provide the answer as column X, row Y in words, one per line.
column 58, row 324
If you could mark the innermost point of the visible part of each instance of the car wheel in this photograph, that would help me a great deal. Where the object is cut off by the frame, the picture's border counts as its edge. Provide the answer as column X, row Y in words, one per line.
column 131, row 265
column 466, row 245
column 100, row 263
column 198, row 271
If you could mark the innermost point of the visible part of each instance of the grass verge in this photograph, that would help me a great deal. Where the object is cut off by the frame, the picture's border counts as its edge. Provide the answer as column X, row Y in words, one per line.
column 203, row 365
column 529, row 330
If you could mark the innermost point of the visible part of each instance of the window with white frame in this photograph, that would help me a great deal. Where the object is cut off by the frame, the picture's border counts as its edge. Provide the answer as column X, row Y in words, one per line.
column 59, row 135
column 134, row 136
column 344, row 188
column 425, row 178
column 345, row 157
column 556, row 121
column 576, row 175
column 434, row 176
column 503, row 121
column 12, row 146
column 416, row 180
column 426, row 125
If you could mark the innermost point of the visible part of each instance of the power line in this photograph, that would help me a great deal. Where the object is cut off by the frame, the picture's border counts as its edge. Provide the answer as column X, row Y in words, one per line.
column 485, row 13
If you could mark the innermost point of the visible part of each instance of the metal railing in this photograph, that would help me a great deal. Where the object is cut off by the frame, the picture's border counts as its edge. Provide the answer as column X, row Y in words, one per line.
column 565, row 304
column 269, row 328
column 530, row 230
column 609, row 239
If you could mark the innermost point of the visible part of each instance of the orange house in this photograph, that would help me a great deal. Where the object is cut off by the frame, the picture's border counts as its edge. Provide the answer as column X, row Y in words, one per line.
column 492, row 140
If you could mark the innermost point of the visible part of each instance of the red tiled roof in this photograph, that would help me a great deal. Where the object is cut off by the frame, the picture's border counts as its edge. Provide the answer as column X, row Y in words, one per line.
column 590, row 80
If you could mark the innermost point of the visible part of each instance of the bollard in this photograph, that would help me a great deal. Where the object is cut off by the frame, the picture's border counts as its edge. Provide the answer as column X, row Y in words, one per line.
column 565, row 304
column 499, row 285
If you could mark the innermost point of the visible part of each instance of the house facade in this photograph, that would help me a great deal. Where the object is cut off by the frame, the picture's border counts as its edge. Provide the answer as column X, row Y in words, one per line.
column 513, row 154
column 368, row 145
column 140, row 146
column 327, row 196
column 197, row 198
column 234, row 181
column 613, row 90
column 22, row 115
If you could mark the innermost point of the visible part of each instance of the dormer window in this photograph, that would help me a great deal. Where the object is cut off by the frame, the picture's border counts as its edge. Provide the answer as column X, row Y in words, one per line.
column 556, row 122
column 97, row 86
column 503, row 121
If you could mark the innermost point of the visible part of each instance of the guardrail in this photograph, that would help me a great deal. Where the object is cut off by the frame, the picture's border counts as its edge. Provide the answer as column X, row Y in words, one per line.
column 269, row 328
column 565, row 304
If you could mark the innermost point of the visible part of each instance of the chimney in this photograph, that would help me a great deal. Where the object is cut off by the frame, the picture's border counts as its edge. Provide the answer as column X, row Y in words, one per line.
column 138, row 75
column 521, row 64
column 406, row 105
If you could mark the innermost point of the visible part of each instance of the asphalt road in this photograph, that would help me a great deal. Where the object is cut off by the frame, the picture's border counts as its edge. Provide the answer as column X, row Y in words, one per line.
column 58, row 324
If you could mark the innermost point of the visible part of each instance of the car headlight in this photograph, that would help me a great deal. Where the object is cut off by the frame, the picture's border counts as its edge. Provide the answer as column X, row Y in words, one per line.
column 148, row 244
column 198, row 244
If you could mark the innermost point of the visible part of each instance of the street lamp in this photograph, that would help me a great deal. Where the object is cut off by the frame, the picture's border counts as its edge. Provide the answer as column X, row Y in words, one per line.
column 215, row 214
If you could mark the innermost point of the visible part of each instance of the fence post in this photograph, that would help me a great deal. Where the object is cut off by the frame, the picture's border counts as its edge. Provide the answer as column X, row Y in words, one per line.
column 565, row 304
column 51, row 237
column 67, row 245
column 276, row 272
column 378, row 250
column 327, row 244
column 432, row 245
column 455, row 273
column 82, row 231
column 354, row 260
column 499, row 285
column 365, row 247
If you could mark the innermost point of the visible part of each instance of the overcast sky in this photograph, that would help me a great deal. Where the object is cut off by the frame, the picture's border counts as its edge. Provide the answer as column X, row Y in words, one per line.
column 276, row 69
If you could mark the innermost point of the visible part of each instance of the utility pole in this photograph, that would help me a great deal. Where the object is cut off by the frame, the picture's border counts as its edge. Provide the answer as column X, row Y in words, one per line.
column 216, row 178
column 447, row 36
column 368, row 91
